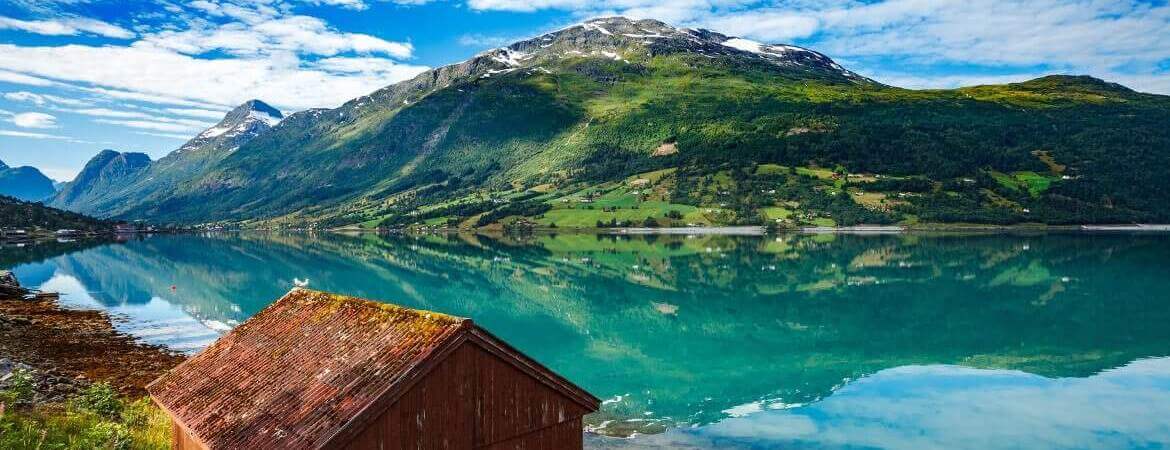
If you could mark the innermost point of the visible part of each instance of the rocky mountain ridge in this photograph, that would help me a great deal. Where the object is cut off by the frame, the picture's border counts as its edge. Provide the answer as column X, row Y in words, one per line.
column 111, row 180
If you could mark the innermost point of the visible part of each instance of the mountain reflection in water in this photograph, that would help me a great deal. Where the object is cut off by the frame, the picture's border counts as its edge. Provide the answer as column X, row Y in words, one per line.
column 898, row 341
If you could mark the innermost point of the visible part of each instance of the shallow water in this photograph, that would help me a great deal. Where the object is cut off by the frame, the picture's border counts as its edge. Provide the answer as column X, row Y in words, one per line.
column 801, row 341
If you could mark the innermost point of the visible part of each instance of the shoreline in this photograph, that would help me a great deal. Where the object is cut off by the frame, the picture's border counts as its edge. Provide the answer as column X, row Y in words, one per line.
column 67, row 349
column 757, row 230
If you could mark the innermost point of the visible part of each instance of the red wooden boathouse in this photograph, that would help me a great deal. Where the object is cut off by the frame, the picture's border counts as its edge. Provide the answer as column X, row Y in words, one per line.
column 322, row 371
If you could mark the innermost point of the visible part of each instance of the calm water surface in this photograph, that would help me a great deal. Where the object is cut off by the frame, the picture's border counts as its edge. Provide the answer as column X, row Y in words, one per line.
column 803, row 341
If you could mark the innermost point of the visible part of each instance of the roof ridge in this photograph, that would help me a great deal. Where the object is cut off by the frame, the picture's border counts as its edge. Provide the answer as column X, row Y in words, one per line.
column 425, row 313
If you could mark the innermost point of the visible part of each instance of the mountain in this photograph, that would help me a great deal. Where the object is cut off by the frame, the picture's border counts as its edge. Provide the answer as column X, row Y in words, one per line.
column 106, row 173
column 239, row 126
column 111, row 181
column 25, row 183
column 618, row 121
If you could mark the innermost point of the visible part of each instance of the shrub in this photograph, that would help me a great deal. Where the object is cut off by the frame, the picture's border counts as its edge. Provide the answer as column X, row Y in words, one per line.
column 100, row 399
column 20, row 388
column 109, row 435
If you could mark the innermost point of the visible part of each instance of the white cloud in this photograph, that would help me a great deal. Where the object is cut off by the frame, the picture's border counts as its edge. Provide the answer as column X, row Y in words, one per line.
column 1077, row 34
column 481, row 40
column 356, row 65
column 106, row 112
column 182, row 137
column 165, row 77
column 66, row 27
column 44, row 99
column 34, row 120
column 361, row 5
column 24, row 96
column 117, row 94
column 254, row 32
column 1121, row 40
column 531, row 5
column 31, row 135
column 774, row 26
column 142, row 117
column 152, row 125
column 195, row 112
column 348, row 4
column 292, row 61
column 19, row 78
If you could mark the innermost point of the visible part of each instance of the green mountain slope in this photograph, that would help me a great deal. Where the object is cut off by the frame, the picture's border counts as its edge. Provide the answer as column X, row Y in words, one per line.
column 619, row 121
column 101, row 179
column 112, row 182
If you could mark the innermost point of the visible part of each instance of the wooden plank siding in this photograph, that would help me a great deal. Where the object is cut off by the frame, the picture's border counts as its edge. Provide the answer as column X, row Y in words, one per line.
column 514, row 404
column 565, row 436
column 448, row 410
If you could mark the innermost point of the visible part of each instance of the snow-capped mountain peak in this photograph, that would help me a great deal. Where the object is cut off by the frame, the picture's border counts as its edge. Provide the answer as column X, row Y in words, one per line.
column 623, row 39
column 238, row 126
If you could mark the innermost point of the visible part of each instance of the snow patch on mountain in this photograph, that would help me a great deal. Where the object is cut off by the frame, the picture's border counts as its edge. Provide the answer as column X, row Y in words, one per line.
column 758, row 48
column 215, row 131
column 509, row 57
column 594, row 26
column 265, row 117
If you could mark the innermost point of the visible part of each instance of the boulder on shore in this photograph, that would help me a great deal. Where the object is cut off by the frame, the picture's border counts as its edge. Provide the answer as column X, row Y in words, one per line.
column 9, row 285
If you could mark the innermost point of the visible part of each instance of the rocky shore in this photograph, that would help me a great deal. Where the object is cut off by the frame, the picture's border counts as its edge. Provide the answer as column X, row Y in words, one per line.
column 65, row 350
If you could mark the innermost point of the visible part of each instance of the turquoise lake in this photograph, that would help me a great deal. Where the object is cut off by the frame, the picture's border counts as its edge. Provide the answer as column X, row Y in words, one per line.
column 797, row 341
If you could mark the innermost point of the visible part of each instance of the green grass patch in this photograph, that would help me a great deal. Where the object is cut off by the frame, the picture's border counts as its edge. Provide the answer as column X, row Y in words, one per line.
column 776, row 212
column 653, row 176
column 436, row 221
column 1027, row 181
column 771, row 169
column 97, row 419
column 1035, row 183
column 818, row 173
column 824, row 222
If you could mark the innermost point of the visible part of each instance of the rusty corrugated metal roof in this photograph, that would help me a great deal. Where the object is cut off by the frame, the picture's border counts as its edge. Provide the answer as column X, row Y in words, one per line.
column 295, row 374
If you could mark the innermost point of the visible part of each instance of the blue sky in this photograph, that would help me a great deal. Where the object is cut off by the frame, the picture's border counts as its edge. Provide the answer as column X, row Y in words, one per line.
column 77, row 76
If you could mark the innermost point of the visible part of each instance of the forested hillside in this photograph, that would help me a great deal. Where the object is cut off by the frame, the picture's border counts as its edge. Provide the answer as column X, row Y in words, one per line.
column 18, row 214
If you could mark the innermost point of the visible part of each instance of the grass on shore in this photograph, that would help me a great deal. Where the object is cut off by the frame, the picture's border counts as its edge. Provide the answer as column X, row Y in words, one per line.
column 95, row 419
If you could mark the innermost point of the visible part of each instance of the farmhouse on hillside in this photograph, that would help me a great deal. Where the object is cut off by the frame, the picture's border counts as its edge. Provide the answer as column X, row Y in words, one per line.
column 322, row 371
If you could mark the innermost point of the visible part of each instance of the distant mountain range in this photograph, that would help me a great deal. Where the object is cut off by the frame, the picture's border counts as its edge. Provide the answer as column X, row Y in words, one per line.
column 25, row 183
column 616, row 121
column 113, row 183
